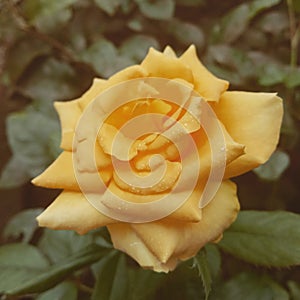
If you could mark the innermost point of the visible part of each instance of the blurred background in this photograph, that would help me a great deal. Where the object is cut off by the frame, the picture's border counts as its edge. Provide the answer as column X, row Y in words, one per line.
column 51, row 51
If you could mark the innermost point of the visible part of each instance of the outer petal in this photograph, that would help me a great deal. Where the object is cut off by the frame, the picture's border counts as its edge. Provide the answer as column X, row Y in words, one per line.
column 173, row 241
column 164, row 65
column 69, row 114
column 99, row 85
column 126, row 240
column 60, row 175
column 254, row 120
column 72, row 211
column 209, row 86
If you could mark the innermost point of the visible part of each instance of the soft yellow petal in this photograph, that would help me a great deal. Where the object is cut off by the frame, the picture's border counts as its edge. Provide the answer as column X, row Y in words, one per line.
column 166, row 182
column 169, row 52
column 69, row 114
column 188, row 212
column 98, row 86
column 171, row 241
column 61, row 175
column 126, row 240
column 101, row 85
column 230, row 151
column 208, row 85
column 160, row 65
column 71, row 210
column 254, row 120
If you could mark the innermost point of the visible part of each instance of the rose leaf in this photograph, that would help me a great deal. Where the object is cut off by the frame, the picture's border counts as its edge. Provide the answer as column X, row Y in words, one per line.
column 249, row 286
column 264, row 238
column 64, row 290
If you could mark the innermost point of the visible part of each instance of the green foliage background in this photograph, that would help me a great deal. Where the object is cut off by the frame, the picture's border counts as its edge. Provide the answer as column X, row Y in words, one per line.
column 51, row 50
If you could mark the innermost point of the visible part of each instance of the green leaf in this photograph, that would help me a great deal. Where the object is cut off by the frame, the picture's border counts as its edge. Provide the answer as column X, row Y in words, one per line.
column 294, row 289
column 18, row 263
column 22, row 225
column 36, row 9
column 14, row 174
column 272, row 73
column 200, row 261
column 144, row 283
column 65, row 290
column 190, row 2
column 23, row 52
column 248, row 286
column 56, row 273
column 157, row 9
column 52, row 80
column 104, row 58
column 187, row 33
column 29, row 134
column 258, row 6
column 233, row 24
column 137, row 46
column 112, row 278
column 292, row 79
column 274, row 167
column 264, row 238
column 213, row 257
column 65, row 243
column 109, row 6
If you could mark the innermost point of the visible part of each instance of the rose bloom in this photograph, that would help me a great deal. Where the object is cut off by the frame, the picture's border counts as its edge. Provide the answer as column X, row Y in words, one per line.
column 250, row 124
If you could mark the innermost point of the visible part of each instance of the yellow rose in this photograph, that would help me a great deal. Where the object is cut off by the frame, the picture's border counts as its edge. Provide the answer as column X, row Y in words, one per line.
column 149, row 154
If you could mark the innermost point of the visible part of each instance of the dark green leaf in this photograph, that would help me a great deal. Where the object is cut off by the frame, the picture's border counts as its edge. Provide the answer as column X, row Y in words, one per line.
column 213, row 257
column 200, row 261
column 29, row 134
column 36, row 9
column 157, row 9
column 272, row 73
column 144, row 283
column 64, row 242
column 109, row 6
column 293, row 78
column 187, row 33
column 258, row 6
column 112, row 278
column 274, row 167
column 236, row 21
column 18, row 263
column 14, row 174
column 22, row 54
column 137, row 46
column 249, row 286
column 22, row 225
column 52, row 80
column 104, row 58
column 294, row 288
column 65, row 290
column 56, row 273
column 190, row 2
column 264, row 238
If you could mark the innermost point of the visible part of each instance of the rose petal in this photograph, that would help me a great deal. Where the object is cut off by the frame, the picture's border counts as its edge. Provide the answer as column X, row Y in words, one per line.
column 166, row 182
column 168, row 51
column 69, row 114
column 71, row 210
column 208, row 86
column 61, row 175
column 188, row 212
column 254, row 120
column 99, row 85
column 122, row 234
column 160, row 65
column 170, row 241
